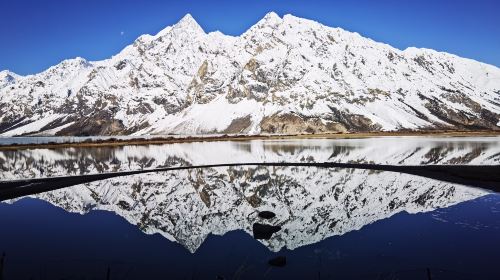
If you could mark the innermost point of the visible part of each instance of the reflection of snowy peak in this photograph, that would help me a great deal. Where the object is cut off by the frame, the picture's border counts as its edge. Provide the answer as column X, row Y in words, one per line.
column 283, row 75
column 311, row 203
column 32, row 163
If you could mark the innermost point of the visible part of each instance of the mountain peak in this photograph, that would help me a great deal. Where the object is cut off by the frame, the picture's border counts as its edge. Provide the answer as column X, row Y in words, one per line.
column 188, row 22
column 4, row 73
column 7, row 77
column 77, row 61
column 272, row 16
column 265, row 25
column 187, row 18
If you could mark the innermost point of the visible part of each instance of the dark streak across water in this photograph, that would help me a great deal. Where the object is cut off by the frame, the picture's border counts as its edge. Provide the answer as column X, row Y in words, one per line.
column 485, row 177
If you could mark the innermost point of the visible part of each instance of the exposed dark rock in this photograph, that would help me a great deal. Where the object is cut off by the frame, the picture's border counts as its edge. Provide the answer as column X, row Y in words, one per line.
column 294, row 124
column 124, row 205
column 120, row 65
column 261, row 231
column 254, row 200
column 467, row 157
column 100, row 124
column 10, row 123
column 417, row 112
column 353, row 122
column 239, row 125
column 459, row 97
column 142, row 108
column 136, row 128
column 424, row 63
column 57, row 123
column 205, row 197
column 266, row 215
column 200, row 87
column 490, row 118
column 461, row 119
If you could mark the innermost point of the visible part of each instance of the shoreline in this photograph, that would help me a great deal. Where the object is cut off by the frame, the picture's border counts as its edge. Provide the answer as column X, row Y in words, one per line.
column 159, row 140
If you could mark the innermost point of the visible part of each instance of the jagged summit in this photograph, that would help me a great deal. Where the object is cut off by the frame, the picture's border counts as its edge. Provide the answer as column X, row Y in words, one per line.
column 7, row 78
column 269, row 21
column 188, row 18
column 5, row 72
column 188, row 22
column 272, row 17
column 283, row 75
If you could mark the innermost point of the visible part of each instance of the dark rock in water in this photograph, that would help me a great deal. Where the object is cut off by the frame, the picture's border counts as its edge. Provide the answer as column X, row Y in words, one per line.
column 261, row 231
column 279, row 261
column 267, row 215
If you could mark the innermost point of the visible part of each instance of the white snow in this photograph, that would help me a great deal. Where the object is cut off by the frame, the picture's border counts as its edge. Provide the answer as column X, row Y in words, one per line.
column 279, row 65
column 33, row 126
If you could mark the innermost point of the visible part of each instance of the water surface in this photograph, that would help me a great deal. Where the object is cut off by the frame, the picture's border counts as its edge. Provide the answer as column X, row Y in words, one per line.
column 198, row 224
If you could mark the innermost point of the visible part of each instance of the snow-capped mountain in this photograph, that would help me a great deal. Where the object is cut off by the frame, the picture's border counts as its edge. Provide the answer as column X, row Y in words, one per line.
column 311, row 204
column 283, row 75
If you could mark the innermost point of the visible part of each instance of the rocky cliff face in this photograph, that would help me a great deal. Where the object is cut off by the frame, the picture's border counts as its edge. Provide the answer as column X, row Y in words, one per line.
column 283, row 75
column 311, row 203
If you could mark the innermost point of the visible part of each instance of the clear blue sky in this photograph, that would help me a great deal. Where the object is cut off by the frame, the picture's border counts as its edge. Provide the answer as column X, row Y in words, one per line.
column 36, row 34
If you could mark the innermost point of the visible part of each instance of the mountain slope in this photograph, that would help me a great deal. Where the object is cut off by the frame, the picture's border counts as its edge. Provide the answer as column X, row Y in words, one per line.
column 283, row 75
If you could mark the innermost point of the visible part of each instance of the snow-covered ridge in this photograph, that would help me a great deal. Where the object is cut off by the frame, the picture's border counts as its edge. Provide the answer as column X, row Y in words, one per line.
column 283, row 75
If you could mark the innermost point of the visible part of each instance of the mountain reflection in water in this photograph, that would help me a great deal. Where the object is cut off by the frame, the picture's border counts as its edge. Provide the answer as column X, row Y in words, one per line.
column 191, row 207
column 38, row 163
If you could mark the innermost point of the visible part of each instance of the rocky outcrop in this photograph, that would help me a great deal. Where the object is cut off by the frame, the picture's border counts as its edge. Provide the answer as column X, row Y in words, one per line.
column 100, row 124
column 293, row 124
column 239, row 125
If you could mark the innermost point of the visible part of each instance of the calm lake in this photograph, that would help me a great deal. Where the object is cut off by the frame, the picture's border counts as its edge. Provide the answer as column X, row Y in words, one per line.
column 328, row 223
